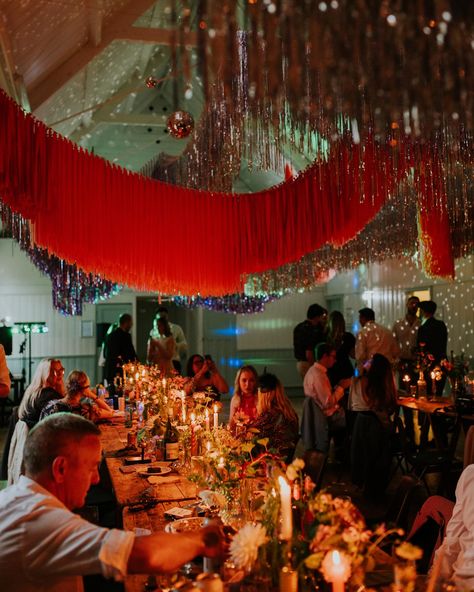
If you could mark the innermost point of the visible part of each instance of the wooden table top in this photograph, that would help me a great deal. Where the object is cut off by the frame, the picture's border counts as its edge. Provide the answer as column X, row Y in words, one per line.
column 129, row 487
column 424, row 404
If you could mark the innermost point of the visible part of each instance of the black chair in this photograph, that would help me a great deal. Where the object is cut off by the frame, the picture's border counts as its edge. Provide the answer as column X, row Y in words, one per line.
column 370, row 455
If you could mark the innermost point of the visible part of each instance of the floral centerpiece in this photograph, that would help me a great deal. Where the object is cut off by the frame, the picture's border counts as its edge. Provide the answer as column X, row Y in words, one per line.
column 456, row 369
column 324, row 527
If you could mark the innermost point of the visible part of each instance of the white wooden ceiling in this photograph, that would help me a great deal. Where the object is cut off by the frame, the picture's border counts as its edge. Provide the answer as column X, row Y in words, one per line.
column 80, row 66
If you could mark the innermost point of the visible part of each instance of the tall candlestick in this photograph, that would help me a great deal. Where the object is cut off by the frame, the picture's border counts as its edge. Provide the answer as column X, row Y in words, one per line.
column 163, row 383
column 206, row 415
column 183, row 406
column 286, row 528
column 216, row 417
column 193, row 434
column 336, row 569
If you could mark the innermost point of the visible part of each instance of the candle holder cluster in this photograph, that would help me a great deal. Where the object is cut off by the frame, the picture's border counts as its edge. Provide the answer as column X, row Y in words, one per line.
column 155, row 398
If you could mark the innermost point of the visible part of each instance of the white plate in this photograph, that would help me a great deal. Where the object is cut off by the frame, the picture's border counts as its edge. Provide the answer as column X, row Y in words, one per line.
column 165, row 470
column 185, row 524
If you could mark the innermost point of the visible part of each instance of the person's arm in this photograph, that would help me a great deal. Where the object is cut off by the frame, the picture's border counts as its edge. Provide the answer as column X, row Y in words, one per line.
column 165, row 552
column 360, row 350
column 218, row 381
column 5, row 383
column 309, row 353
column 181, row 343
column 458, row 529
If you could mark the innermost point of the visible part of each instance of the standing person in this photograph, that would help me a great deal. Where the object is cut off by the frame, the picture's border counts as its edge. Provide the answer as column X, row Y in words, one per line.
column 432, row 339
column 45, row 546
column 375, row 401
column 162, row 348
column 307, row 335
column 405, row 331
column 178, row 334
column 374, row 339
column 119, row 350
column 5, row 383
column 344, row 344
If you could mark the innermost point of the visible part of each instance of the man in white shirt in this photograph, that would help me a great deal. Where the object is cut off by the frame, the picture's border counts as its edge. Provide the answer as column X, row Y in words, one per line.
column 374, row 339
column 316, row 385
column 45, row 547
column 456, row 554
column 178, row 334
column 5, row 383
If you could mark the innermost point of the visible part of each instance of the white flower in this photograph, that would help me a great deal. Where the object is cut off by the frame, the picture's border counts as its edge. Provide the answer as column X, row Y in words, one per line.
column 245, row 544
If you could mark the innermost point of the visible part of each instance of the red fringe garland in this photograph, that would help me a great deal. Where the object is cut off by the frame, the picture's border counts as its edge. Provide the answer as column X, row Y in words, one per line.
column 151, row 235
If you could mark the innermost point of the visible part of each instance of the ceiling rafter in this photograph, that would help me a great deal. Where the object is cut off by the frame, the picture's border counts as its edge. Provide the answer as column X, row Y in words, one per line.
column 120, row 27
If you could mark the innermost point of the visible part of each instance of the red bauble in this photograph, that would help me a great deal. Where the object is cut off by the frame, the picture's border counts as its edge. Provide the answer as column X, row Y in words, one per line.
column 180, row 124
column 151, row 82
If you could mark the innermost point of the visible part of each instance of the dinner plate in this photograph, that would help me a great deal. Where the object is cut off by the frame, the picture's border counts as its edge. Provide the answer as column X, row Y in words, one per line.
column 185, row 524
column 165, row 470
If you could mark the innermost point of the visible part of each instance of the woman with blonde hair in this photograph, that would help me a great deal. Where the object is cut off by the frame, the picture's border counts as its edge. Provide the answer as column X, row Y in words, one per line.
column 46, row 385
column 276, row 419
column 243, row 405
column 79, row 399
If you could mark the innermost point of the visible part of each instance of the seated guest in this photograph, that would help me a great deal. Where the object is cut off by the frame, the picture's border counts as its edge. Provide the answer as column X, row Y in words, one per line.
column 375, row 400
column 317, row 386
column 80, row 399
column 456, row 554
column 203, row 375
column 161, row 349
column 243, row 405
column 276, row 419
column 45, row 546
column 46, row 385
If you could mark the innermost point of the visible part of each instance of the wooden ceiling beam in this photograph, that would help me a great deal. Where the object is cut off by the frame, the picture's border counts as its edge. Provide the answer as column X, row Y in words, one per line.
column 120, row 27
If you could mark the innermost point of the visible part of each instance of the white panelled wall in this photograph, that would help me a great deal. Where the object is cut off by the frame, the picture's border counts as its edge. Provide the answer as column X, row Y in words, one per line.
column 264, row 339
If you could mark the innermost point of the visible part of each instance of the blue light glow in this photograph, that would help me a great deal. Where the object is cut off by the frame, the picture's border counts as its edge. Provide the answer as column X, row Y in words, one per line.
column 229, row 331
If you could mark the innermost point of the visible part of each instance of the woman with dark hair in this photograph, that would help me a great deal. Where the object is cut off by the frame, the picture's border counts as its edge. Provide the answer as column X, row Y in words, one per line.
column 161, row 349
column 276, row 419
column 243, row 405
column 344, row 344
column 374, row 398
column 79, row 399
column 203, row 376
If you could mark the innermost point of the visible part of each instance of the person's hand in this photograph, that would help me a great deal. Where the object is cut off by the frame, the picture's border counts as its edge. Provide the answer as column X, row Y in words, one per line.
column 214, row 539
column 345, row 383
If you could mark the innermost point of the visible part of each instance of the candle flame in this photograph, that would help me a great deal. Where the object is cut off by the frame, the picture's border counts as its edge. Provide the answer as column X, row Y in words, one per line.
column 336, row 558
column 216, row 408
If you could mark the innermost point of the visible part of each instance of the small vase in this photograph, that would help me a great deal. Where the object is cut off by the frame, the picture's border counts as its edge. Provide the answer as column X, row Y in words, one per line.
column 421, row 384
